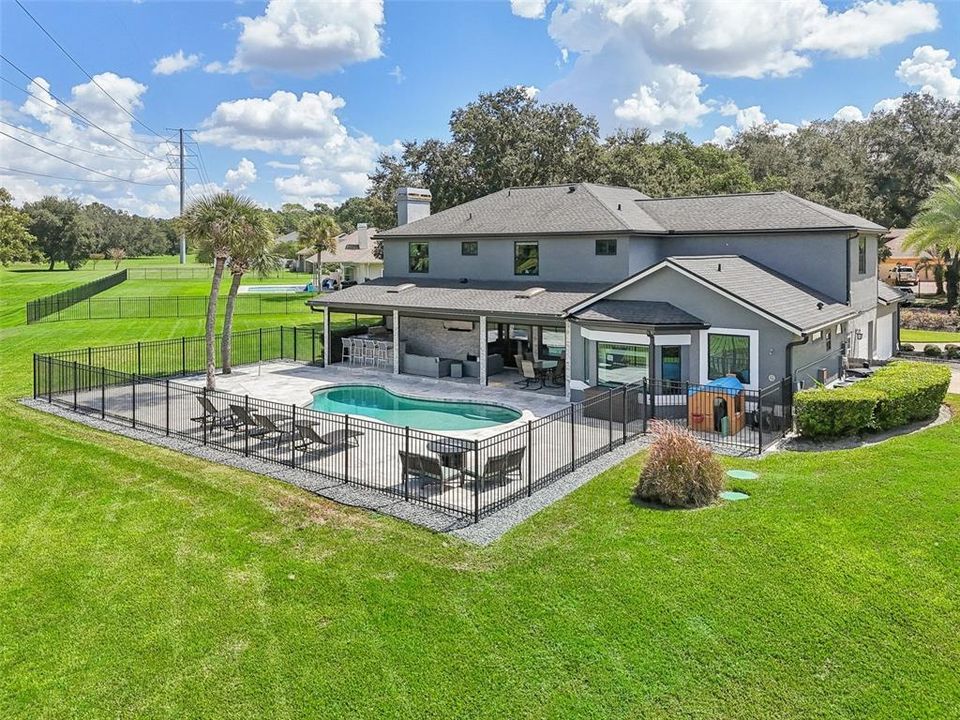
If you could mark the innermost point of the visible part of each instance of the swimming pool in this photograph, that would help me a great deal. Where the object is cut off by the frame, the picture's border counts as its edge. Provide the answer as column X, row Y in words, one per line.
column 272, row 289
column 381, row 404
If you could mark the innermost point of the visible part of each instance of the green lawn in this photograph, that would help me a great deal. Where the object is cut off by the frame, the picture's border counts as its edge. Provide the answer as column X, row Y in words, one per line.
column 928, row 336
column 137, row 582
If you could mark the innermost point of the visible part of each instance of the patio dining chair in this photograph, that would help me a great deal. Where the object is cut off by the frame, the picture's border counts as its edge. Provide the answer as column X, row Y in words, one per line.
column 310, row 439
column 530, row 375
column 244, row 422
column 500, row 469
column 346, row 352
column 559, row 374
column 430, row 470
column 211, row 414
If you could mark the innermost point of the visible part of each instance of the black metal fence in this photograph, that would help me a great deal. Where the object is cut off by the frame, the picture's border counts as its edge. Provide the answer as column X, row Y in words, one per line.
column 55, row 304
column 467, row 477
column 178, row 306
column 170, row 273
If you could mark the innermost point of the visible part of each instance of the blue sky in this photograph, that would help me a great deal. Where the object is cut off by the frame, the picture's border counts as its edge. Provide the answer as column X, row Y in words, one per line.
column 294, row 102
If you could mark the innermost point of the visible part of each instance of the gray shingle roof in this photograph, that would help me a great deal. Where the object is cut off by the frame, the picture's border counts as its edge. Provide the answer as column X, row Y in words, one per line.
column 639, row 312
column 548, row 209
column 472, row 297
column 749, row 212
column 767, row 290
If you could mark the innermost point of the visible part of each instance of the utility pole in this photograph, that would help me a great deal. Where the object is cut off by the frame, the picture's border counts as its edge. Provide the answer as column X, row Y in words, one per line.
column 183, row 236
column 183, row 186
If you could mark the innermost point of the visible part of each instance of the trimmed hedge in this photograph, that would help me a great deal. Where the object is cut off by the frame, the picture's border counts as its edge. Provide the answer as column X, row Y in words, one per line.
column 824, row 413
column 895, row 395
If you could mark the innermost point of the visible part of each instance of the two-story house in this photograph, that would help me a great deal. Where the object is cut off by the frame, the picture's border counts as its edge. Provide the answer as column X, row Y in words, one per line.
column 623, row 287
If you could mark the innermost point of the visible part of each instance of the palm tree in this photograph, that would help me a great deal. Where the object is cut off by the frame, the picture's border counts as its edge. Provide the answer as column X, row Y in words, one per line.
column 935, row 261
column 217, row 224
column 252, row 255
column 320, row 232
column 937, row 225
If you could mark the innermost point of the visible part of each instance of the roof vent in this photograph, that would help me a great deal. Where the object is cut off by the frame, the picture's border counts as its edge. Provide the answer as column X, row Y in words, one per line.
column 719, row 267
column 530, row 292
column 463, row 281
column 403, row 287
column 470, row 216
column 619, row 207
column 819, row 306
column 572, row 188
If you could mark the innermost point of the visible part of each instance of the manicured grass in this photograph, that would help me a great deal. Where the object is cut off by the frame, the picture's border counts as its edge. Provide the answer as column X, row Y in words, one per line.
column 928, row 336
column 138, row 582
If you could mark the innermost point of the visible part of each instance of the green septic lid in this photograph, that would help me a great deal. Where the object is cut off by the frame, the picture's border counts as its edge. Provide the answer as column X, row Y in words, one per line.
column 742, row 474
column 733, row 495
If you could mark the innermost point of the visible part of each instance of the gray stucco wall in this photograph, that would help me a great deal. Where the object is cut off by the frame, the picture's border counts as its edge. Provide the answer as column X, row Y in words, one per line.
column 562, row 259
column 426, row 336
column 815, row 259
column 863, row 288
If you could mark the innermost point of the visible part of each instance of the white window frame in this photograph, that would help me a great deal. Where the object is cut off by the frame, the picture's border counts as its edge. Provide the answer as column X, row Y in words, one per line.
column 754, row 336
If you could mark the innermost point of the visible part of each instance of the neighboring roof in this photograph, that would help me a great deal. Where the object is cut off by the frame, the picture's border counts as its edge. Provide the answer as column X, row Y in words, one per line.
column 348, row 250
column 894, row 240
column 472, row 297
column 887, row 294
column 570, row 208
column 792, row 305
column 639, row 312
column 750, row 212
column 289, row 237
column 579, row 208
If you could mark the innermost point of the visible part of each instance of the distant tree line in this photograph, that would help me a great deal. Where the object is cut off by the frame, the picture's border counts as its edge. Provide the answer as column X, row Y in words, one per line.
column 882, row 168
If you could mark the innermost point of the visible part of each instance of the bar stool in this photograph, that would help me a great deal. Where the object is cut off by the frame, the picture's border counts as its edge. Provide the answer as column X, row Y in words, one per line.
column 369, row 353
column 384, row 354
column 346, row 354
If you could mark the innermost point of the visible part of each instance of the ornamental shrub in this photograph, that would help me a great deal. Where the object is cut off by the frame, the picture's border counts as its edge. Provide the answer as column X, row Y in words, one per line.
column 932, row 350
column 906, row 347
column 835, row 412
column 952, row 351
column 679, row 471
column 911, row 391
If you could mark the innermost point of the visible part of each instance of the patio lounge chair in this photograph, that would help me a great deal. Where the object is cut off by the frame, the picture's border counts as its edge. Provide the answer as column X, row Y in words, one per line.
column 310, row 439
column 244, row 422
column 272, row 429
column 502, row 468
column 211, row 414
column 429, row 469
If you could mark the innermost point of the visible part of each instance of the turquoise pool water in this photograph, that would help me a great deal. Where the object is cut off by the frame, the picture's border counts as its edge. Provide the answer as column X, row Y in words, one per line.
column 383, row 405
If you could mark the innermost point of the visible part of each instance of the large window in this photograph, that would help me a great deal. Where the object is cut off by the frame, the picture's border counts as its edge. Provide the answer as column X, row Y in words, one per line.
column 728, row 355
column 862, row 256
column 419, row 257
column 468, row 247
column 526, row 258
column 606, row 246
column 621, row 364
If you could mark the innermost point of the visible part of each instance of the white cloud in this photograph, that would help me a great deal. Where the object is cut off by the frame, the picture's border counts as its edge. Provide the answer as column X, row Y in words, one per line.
column 531, row 91
column 670, row 101
column 722, row 134
column 178, row 62
column 868, row 26
column 239, row 177
column 888, row 105
column 528, row 8
column 931, row 69
column 307, row 38
column 849, row 113
column 746, row 119
column 333, row 162
column 85, row 145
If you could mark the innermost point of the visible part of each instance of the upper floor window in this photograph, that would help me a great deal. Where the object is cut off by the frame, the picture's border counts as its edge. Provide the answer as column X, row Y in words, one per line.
column 862, row 256
column 606, row 246
column 419, row 257
column 468, row 247
column 526, row 258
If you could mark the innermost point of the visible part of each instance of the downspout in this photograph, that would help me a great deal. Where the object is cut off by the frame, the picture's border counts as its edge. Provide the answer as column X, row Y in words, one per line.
column 790, row 346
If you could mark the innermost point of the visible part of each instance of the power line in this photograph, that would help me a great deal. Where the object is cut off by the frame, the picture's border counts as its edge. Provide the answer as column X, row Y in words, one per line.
column 76, row 112
column 57, row 142
column 47, row 175
column 82, row 167
column 81, row 68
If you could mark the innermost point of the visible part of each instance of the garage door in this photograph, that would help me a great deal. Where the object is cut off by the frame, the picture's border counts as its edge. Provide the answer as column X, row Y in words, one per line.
column 884, row 344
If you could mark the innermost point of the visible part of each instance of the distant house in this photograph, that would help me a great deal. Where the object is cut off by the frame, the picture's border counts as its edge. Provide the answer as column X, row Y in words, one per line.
column 354, row 257
column 901, row 257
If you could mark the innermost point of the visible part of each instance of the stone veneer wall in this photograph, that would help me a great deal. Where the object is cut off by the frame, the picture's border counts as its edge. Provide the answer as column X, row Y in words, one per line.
column 425, row 336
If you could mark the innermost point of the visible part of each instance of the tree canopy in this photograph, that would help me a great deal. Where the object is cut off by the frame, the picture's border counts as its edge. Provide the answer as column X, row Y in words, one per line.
column 16, row 242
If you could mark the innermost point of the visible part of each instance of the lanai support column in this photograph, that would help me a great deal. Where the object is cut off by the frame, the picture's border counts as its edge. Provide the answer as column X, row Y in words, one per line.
column 482, row 354
column 568, row 357
column 396, row 342
column 326, row 336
